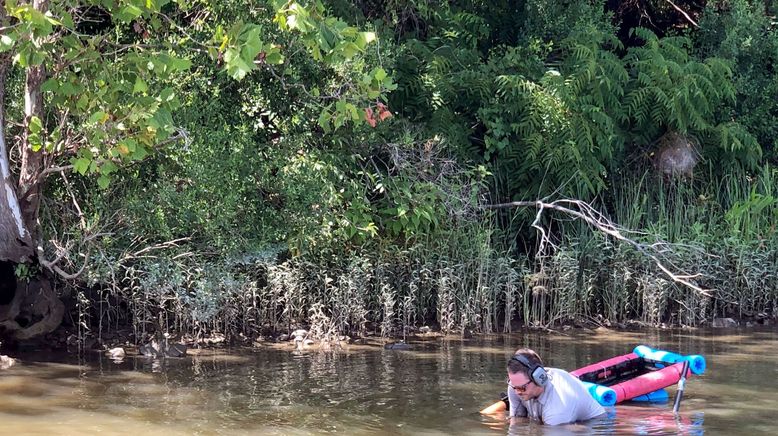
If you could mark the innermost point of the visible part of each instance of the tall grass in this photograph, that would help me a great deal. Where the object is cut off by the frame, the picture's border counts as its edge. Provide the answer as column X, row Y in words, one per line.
column 461, row 280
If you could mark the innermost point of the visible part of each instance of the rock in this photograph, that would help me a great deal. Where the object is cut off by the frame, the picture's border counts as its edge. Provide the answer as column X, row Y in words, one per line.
column 116, row 353
column 157, row 350
column 301, row 343
column 400, row 346
column 215, row 338
column 148, row 350
column 176, row 350
column 424, row 329
column 6, row 362
column 724, row 323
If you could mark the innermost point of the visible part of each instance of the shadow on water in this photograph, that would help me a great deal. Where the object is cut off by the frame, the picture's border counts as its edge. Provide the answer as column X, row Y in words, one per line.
column 436, row 388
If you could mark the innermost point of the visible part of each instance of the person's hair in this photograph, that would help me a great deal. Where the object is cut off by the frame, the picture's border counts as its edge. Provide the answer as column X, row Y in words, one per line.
column 514, row 366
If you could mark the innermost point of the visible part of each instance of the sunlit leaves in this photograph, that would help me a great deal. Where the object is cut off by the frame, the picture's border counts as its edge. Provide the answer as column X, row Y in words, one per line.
column 7, row 42
column 128, row 13
column 327, row 38
column 242, row 49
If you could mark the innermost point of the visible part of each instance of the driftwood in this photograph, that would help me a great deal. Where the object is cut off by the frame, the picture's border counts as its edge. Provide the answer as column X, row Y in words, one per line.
column 585, row 212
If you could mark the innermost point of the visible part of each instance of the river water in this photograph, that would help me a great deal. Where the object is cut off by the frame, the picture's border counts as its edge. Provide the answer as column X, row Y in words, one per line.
column 434, row 389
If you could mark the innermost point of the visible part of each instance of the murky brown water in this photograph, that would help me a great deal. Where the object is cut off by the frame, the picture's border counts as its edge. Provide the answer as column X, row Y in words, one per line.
column 434, row 389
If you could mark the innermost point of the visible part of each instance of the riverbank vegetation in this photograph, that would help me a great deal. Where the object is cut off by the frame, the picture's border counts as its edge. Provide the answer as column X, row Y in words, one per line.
column 248, row 168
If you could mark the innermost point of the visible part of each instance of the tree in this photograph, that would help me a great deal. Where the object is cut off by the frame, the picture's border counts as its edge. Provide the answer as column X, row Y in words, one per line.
column 100, row 89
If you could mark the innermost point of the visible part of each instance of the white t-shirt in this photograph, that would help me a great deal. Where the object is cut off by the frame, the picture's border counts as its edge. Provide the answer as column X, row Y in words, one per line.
column 564, row 400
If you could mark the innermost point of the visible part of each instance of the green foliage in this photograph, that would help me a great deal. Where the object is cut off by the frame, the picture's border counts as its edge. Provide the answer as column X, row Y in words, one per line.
column 111, row 96
column 740, row 32
column 352, row 158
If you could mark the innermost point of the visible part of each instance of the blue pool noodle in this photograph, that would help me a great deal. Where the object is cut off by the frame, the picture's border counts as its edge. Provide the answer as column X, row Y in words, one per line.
column 603, row 394
column 653, row 397
column 696, row 362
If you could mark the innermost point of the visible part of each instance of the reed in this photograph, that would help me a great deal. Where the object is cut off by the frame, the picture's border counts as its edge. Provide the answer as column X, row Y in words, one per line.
column 468, row 278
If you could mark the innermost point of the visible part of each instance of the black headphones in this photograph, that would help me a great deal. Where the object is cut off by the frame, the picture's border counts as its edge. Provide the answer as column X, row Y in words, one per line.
column 537, row 374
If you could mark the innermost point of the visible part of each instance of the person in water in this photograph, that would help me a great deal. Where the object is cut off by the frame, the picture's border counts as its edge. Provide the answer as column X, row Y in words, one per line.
column 549, row 395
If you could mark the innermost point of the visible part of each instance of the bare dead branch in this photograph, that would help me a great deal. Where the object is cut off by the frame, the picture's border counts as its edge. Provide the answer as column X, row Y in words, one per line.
column 688, row 18
column 585, row 212
column 52, row 266
column 168, row 244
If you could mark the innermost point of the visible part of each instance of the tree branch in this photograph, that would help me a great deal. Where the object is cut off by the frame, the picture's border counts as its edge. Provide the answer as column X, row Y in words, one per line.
column 688, row 18
column 584, row 211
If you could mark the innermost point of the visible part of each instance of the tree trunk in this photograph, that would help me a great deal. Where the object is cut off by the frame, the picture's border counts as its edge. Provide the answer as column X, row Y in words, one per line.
column 16, row 243
column 27, row 309
column 32, row 161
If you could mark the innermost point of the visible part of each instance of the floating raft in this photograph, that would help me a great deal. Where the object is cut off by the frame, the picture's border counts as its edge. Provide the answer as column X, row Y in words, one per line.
column 640, row 375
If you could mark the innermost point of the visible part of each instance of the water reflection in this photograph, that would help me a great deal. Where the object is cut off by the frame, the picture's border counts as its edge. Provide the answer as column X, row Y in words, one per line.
column 434, row 389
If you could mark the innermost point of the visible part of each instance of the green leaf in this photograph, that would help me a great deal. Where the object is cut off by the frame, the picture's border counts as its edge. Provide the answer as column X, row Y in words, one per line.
column 108, row 167
column 365, row 38
column 252, row 45
column 34, row 140
column 7, row 42
column 67, row 20
column 97, row 116
column 81, row 165
column 35, row 124
column 324, row 120
column 349, row 50
column 139, row 153
column 167, row 94
column 50, row 85
column 129, row 13
column 179, row 64
column 274, row 58
column 380, row 74
column 103, row 181
column 161, row 120
column 140, row 86
column 237, row 67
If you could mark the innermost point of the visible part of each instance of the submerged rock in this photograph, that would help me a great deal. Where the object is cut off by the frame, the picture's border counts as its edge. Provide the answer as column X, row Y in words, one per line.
column 397, row 346
column 157, row 350
column 299, row 332
column 148, row 350
column 116, row 353
column 6, row 362
column 724, row 322
column 176, row 350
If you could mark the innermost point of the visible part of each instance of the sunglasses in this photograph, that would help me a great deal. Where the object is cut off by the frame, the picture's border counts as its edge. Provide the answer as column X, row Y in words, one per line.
column 521, row 388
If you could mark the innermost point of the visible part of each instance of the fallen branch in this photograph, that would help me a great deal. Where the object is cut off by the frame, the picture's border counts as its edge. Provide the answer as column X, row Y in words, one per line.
column 584, row 211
